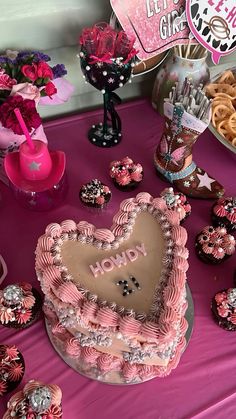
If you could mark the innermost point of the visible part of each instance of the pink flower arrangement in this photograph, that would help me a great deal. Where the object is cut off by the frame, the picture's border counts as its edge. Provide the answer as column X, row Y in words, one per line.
column 25, row 78
column 28, row 111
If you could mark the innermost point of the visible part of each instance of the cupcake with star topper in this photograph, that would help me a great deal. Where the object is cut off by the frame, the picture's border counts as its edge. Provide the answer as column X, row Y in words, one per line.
column 176, row 201
column 214, row 245
column 95, row 194
column 20, row 305
column 126, row 174
column 12, row 368
column 223, row 308
column 224, row 213
column 36, row 400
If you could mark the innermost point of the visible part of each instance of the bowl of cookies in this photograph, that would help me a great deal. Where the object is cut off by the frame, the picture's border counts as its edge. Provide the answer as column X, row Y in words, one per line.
column 222, row 90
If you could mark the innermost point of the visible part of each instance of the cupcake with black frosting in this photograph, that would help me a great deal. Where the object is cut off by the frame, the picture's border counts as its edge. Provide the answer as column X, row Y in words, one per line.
column 223, row 308
column 214, row 245
column 224, row 213
column 12, row 368
column 95, row 194
column 20, row 305
column 36, row 400
column 176, row 201
column 126, row 174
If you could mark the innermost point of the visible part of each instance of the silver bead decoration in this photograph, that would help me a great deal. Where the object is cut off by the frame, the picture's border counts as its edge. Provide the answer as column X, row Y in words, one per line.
column 40, row 399
column 13, row 295
column 231, row 297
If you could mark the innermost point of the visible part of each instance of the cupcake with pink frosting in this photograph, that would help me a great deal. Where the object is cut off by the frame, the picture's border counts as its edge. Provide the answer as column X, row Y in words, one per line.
column 126, row 174
column 214, row 245
column 95, row 194
column 36, row 400
column 176, row 201
column 223, row 308
column 20, row 305
column 224, row 213
column 12, row 368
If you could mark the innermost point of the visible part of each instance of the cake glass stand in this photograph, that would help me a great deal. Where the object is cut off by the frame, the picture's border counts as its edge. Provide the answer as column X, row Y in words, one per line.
column 113, row 378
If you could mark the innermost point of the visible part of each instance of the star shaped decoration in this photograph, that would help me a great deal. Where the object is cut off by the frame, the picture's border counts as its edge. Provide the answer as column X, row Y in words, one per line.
column 186, row 184
column 205, row 181
column 111, row 80
column 191, row 178
column 180, row 140
column 99, row 64
column 34, row 166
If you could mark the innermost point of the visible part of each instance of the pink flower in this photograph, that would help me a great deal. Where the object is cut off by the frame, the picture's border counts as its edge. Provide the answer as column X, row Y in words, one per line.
column 11, row 352
column 50, row 89
column 100, row 200
column 6, row 82
column 28, row 111
column 16, row 371
column 27, row 91
column 137, row 177
column 123, row 180
column 44, row 71
column 222, row 311
column 30, row 71
column 106, row 189
column 23, row 316
column 220, row 297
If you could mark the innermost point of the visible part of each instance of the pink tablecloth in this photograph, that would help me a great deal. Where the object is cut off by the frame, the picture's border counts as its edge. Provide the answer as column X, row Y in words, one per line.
column 204, row 384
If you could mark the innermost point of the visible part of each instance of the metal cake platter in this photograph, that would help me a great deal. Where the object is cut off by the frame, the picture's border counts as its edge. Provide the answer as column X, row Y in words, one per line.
column 92, row 372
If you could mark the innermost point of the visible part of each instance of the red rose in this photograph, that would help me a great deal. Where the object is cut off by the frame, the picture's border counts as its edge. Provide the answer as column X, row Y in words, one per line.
column 44, row 71
column 30, row 71
column 28, row 112
column 50, row 89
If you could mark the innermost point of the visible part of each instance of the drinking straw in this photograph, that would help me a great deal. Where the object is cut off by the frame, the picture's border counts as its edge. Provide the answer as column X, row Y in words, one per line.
column 24, row 129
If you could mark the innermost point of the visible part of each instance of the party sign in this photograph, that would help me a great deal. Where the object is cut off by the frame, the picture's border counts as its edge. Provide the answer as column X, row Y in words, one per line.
column 213, row 23
column 153, row 23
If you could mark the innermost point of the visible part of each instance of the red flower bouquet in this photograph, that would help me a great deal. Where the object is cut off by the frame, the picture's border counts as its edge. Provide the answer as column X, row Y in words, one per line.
column 26, row 79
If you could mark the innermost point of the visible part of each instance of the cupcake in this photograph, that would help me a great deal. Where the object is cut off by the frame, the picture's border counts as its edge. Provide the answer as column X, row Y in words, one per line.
column 126, row 174
column 223, row 308
column 12, row 368
column 20, row 305
column 36, row 400
column 224, row 213
column 95, row 194
column 176, row 201
column 214, row 245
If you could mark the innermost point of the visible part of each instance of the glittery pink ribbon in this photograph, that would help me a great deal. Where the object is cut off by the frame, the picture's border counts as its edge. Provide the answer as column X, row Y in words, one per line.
column 131, row 54
column 106, row 58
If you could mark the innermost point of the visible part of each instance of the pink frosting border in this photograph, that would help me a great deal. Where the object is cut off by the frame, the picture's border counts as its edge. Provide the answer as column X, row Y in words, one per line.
column 58, row 286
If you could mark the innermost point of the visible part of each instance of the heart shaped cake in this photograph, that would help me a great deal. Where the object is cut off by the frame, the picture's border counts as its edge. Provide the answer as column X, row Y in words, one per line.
column 116, row 299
